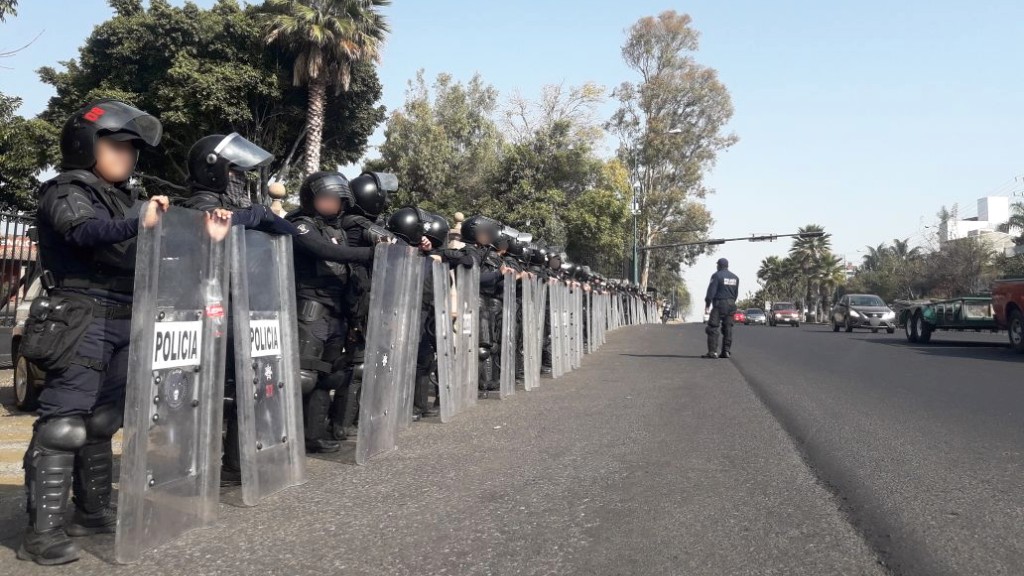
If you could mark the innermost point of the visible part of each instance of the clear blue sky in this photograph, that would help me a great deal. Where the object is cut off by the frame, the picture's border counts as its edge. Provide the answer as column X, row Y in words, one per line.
column 864, row 117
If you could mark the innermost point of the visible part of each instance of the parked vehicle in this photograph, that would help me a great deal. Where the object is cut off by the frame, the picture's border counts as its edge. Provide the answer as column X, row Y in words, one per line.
column 755, row 316
column 863, row 311
column 784, row 313
column 1008, row 309
column 739, row 317
column 921, row 319
column 28, row 378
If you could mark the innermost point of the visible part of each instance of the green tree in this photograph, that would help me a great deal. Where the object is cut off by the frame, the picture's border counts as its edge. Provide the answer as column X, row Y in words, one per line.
column 551, row 180
column 444, row 145
column 830, row 275
column 25, row 145
column 1015, row 225
column 8, row 8
column 205, row 72
column 807, row 253
column 670, row 124
column 326, row 37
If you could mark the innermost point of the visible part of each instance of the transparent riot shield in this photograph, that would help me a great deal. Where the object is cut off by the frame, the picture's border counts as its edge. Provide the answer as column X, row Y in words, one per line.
column 449, row 386
column 578, row 327
column 592, row 316
column 570, row 328
column 392, row 336
column 566, row 309
column 507, row 375
column 170, row 463
column 555, row 310
column 531, row 343
column 268, row 394
column 467, row 335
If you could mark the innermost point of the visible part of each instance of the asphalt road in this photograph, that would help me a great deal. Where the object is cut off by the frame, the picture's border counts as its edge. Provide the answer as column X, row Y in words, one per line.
column 647, row 461
column 922, row 444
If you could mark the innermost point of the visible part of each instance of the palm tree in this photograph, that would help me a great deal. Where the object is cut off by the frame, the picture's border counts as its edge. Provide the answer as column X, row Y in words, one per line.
column 326, row 37
column 902, row 251
column 876, row 257
column 831, row 275
column 770, row 275
column 1016, row 221
column 806, row 253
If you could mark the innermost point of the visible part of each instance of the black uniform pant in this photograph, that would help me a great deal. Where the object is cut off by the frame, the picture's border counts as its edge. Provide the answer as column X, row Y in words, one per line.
column 321, row 342
column 79, row 389
column 490, row 340
column 426, row 355
column 720, row 323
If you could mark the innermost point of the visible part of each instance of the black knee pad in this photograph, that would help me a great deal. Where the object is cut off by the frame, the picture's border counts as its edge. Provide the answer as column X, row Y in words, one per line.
column 104, row 422
column 63, row 433
column 309, row 345
column 711, row 329
column 484, row 353
column 308, row 379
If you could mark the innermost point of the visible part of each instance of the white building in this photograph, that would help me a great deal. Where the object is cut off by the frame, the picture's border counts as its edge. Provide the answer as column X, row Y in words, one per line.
column 992, row 211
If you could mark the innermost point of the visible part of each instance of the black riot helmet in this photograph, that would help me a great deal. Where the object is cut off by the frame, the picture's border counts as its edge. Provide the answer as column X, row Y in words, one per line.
column 520, row 250
column 323, row 184
column 538, row 254
column 104, row 118
column 480, row 230
column 436, row 229
column 212, row 158
column 370, row 192
column 407, row 224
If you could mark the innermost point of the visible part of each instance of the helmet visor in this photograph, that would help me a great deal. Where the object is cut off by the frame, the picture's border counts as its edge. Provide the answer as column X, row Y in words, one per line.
column 123, row 122
column 241, row 153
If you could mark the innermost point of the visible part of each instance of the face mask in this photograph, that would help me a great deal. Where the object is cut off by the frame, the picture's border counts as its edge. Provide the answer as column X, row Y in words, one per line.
column 237, row 191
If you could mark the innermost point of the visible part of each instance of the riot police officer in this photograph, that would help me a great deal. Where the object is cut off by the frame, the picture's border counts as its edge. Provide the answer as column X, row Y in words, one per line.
column 88, row 220
column 436, row 231
column 361, row 228
column 720, row 303
column 323, row 260
column 217, row 178
column 482, row 235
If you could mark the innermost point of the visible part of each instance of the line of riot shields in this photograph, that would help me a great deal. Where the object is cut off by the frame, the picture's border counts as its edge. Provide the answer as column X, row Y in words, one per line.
column 204, row 301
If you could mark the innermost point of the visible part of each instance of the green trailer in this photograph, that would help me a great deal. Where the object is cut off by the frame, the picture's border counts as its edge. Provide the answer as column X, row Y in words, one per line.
column 921, row 319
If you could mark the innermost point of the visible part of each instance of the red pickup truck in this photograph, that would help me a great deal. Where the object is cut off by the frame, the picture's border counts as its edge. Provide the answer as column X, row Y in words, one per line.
column 1008, row 305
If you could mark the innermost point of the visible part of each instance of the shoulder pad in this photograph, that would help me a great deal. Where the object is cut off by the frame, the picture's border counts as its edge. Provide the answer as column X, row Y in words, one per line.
column 66, row 200
column 304, row 225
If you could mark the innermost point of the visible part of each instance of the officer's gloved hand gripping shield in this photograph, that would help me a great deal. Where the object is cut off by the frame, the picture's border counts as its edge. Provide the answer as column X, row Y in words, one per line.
column 269, row 391
column 170, row 472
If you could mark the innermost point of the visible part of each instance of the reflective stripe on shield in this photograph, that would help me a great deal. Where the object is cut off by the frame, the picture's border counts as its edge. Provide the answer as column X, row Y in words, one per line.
column 170, row 463
column 268, row 393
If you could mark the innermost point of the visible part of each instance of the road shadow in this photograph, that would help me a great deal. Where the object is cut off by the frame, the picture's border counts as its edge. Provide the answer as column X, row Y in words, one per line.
column 661, row 355
column 956, row 349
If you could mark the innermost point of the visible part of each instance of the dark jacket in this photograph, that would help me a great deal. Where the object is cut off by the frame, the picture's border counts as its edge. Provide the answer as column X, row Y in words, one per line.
column 724, row 286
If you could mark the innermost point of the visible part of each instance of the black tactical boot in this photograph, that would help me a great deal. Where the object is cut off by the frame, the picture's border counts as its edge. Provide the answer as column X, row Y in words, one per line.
column 421, row 404
column 47, row 481
column 231, row 466
column 94, row 464
column 318, row 404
